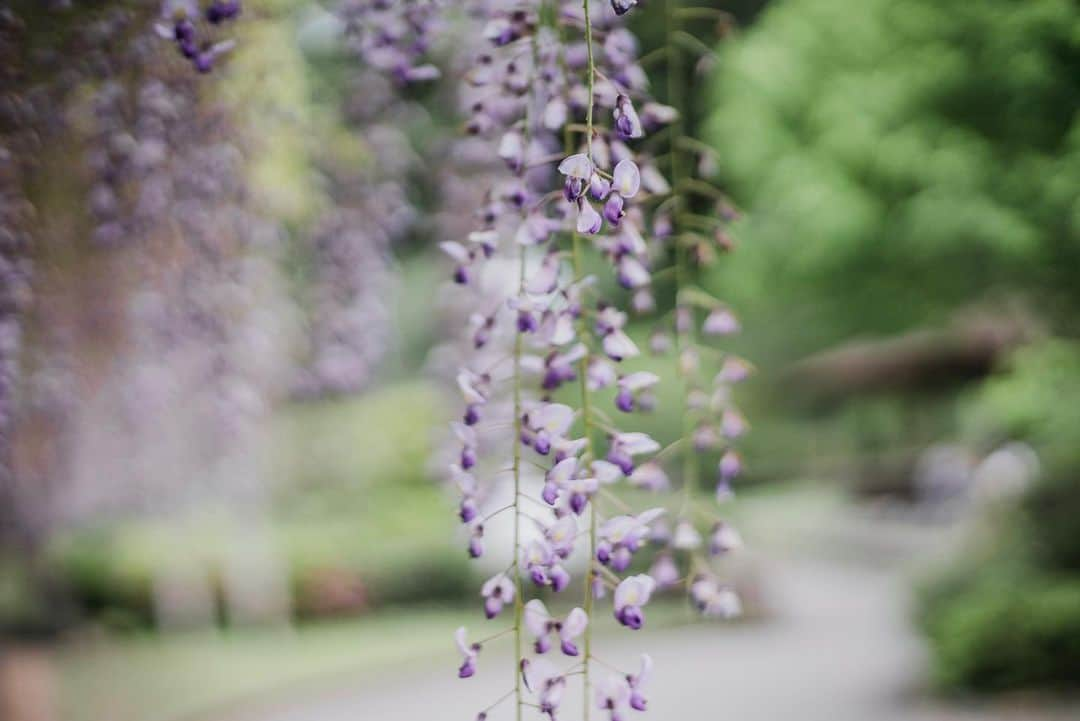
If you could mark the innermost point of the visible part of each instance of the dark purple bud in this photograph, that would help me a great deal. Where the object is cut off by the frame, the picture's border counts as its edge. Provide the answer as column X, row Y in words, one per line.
column 221, row 10
column 578, row 502
column 637, row 701
column 542, row 645
column 468, row 668
column 516, row 198
column 613, row 209
column 603, row 552
column 472, row 415
column 560, row 579
column 204, row 61
column 468, row 458
column 461, row 275
column 184, row 31
column 526, row 322
column 538, row 576
column 476, row 547
column 624, row 400
column 550, row 494
column 188, row 48
column 622, row 460
column 631, row 617
column 492, row 607
column 467, row 511
column 573, row 188
column 569, row 648
column 542, row 443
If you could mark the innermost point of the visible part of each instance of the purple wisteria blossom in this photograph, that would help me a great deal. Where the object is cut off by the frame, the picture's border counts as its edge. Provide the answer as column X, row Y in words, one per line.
column 627, row 121
column 714, row 599
column 609, row 326
column 624, row 447
column 469, row 653
column 620, row 538
column 497, row 592
column 632, row 390
column 613, row 695
column 720, row 322
column 723, row 538
column 650, row 476
column 664, row 571
column 545, row 425
column 542, row 626
column 546, row 681
column 562, row 535
column 631, row 595
column 685, row 537
column 637, row 682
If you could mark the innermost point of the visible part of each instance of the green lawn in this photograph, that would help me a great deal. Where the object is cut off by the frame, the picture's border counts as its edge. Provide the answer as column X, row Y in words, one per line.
column 198, row 675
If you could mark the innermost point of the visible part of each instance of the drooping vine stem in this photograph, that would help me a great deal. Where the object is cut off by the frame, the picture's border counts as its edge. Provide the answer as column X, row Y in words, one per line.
column 518, row 601
column 684, row 338
column 586, row 410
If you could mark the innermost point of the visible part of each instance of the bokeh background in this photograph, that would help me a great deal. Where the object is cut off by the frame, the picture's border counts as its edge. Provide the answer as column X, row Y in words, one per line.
column 224, row 340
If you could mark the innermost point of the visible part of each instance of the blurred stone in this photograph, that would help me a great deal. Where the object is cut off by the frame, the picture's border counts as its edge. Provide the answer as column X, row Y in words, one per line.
column 27, row 687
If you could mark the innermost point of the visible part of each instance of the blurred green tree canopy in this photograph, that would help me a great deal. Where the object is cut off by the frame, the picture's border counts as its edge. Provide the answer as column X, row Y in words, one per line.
column 899, row 160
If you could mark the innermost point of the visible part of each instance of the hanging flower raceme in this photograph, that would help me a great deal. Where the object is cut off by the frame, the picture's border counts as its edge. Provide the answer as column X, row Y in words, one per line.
column 561, row 105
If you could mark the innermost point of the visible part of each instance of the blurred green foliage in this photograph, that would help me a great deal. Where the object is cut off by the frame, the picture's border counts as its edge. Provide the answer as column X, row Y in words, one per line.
column 899, row 160
column 1028, row 401
column 1007, row 614
column 1000, row 631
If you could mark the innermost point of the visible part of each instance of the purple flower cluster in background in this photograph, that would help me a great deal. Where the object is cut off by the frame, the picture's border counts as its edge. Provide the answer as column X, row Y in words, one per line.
column 394, row 35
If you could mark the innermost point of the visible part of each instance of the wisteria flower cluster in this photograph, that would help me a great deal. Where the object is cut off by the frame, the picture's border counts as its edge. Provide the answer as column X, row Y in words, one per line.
column 560, row 96
column 189, row 25
column 394, row 35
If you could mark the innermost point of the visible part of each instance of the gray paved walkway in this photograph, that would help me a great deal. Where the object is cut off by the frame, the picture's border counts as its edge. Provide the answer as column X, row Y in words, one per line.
column 837, row 649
